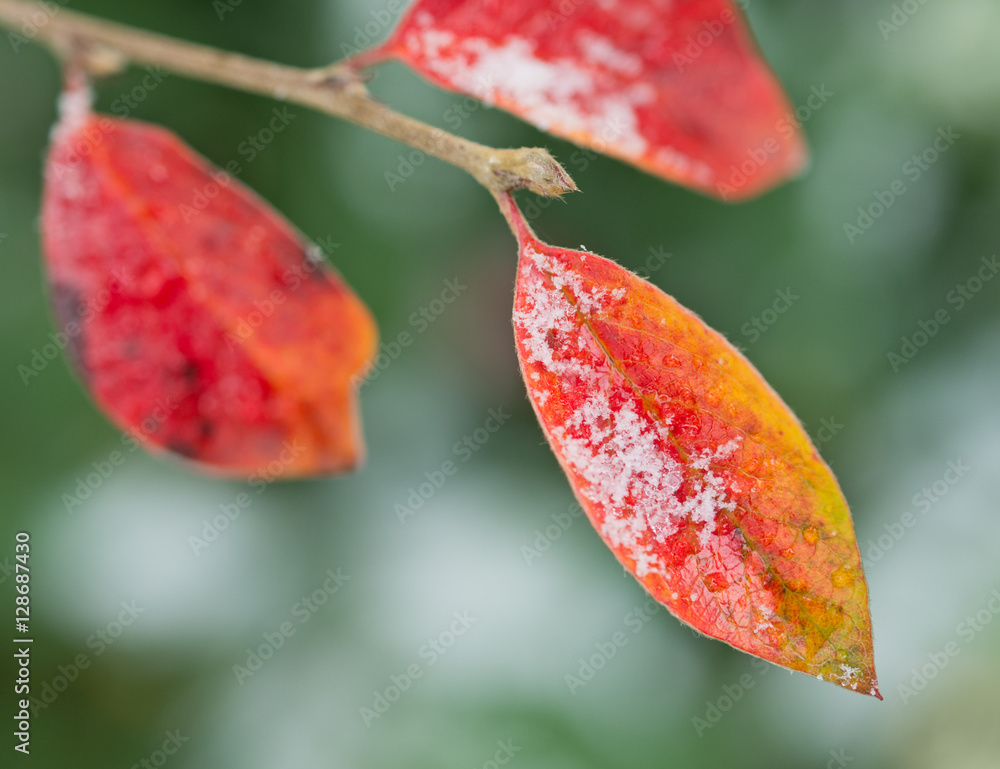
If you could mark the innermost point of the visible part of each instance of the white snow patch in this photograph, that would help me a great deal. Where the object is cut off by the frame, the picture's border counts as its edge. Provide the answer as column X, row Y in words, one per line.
column 74, row 110
column 618, row 450
column 544, row 315
column 557, row 93
column 432, row 42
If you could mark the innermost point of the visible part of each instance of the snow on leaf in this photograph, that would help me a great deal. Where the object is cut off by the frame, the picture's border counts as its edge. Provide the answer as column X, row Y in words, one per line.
column 690, row 467
column 199, row 320
column 676, row 87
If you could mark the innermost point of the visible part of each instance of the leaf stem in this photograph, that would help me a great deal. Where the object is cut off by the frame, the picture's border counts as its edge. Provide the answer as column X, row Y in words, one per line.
column 336, row 90
column 515, row 218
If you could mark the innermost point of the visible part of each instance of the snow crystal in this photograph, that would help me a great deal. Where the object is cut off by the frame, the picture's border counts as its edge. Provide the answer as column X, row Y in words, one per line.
column 616, row 448
column 74, row 110
column 848, row 676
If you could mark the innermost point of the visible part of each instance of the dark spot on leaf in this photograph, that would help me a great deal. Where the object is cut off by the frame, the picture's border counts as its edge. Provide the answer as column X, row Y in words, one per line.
column 183, row 448
column 67, row 305
column 67, row 309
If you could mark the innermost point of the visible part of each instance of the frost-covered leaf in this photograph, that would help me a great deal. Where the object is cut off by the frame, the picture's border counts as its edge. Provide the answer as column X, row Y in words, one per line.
column 196, row 316
column 676, row 87
column 691, row 468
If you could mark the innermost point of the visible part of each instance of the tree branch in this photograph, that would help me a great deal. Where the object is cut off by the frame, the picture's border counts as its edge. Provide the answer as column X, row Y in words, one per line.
column 337, row 90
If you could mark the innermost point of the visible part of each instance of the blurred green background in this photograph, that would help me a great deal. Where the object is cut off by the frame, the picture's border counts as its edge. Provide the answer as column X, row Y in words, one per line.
column 888, row 435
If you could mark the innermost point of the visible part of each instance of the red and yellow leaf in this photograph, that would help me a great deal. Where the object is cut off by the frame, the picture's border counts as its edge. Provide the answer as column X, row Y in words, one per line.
column 676, row 87
column 196, row 316
column 692, row 469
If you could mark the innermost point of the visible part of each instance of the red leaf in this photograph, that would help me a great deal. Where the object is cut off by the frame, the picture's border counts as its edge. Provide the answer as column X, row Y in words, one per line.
column 194, row 313
column 691, row 468
column 676, row 87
